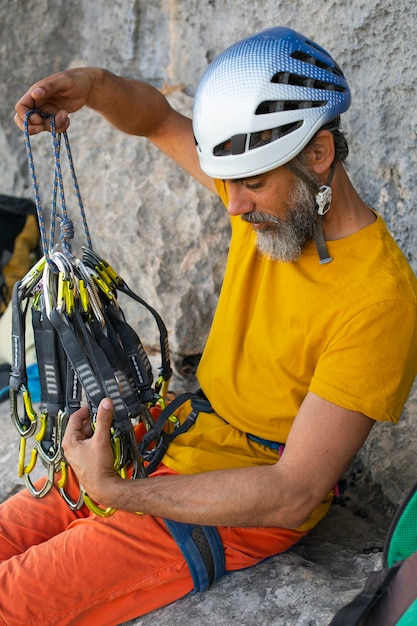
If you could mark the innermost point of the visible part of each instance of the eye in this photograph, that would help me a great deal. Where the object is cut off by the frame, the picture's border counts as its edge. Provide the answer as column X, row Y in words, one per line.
column 254, row 185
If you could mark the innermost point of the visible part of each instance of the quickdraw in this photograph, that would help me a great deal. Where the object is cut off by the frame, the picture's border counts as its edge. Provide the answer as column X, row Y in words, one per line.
column 85, row 350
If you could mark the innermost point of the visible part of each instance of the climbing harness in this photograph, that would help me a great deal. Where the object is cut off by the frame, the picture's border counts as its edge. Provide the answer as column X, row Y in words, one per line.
column 203, row 551
column 86, row 350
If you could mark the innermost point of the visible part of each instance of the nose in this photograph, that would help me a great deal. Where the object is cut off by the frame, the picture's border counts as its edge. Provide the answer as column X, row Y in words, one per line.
column 240, row 201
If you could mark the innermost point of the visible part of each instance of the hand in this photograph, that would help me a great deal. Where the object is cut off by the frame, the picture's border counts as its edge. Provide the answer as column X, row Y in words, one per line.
column 90, row 454
column 59, row 94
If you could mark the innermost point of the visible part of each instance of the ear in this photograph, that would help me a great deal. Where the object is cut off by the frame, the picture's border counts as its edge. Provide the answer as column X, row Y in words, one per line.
column 322, row 152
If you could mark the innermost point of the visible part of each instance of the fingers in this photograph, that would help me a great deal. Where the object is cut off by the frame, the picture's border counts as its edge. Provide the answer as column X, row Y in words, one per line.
column 37, row 123
column 47, row 96
column 79, row 425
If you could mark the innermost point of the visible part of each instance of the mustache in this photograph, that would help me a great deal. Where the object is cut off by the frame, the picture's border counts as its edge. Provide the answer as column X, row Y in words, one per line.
column 258, row 217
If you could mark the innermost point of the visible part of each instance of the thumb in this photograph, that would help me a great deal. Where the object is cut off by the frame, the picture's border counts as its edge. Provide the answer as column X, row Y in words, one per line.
column 104, row 417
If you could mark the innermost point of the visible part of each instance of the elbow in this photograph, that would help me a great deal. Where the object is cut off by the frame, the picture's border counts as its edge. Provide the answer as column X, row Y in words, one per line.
column 291, row 519
column 297, row 518
column 294, row 514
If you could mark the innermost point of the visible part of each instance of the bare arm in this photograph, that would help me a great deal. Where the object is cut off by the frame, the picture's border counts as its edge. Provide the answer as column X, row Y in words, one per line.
column 322, row 442
column 131, row 106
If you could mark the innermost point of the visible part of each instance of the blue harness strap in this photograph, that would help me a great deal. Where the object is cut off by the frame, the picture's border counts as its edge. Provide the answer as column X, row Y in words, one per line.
column 202, row 550
column 274, row 445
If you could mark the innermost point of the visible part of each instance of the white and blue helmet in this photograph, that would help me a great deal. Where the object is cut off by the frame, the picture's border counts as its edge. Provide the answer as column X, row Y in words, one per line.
column 260, row 102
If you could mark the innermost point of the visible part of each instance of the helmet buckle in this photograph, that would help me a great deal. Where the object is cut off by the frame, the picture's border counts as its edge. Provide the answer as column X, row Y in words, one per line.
column 323, row 199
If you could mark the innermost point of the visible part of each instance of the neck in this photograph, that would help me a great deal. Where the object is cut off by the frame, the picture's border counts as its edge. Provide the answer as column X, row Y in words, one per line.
column 348, row 212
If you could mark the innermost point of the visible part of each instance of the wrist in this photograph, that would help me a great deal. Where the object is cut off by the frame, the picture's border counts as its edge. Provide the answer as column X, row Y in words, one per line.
column 105, row 491
column 100, row 87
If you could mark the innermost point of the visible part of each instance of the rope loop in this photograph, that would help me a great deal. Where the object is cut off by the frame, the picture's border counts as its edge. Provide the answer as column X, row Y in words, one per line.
column 66, row 225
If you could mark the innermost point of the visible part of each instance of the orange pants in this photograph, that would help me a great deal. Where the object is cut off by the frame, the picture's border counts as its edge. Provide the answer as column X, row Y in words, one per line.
column 59, row 567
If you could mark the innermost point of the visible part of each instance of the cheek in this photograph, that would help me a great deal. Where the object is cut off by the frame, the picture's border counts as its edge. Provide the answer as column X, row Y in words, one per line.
column 276, row 202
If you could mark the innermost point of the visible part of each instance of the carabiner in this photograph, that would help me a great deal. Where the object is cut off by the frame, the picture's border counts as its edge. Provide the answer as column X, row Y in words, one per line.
column 116, row 445
column 85, row 274
column 96, row 508
column 22, row 468
column 46, row 487
column 83, row 294
column 22, row 457
column 102, row 267
column 49, row 457
column 61, row 484
column 32, row 278
column 26, row 426
column 138, row 468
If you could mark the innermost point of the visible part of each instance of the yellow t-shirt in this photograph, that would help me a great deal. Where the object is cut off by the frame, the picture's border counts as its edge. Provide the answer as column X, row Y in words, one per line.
column 346, row 331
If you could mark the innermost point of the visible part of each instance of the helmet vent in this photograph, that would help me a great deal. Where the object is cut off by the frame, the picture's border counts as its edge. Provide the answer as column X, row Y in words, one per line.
column 268, row 136
column 287, row 78
column 275, row 106
column 238, row 144
column 308, row 58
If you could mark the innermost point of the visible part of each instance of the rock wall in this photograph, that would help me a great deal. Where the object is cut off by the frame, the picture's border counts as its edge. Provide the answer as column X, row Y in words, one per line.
column 167, row 237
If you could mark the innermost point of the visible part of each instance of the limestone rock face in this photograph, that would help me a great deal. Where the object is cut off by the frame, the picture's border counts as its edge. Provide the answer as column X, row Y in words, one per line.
column 168, row 237
column 164, row 234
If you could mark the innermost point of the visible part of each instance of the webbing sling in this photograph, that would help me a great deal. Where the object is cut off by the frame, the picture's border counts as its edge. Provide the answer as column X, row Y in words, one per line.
column 155, row 442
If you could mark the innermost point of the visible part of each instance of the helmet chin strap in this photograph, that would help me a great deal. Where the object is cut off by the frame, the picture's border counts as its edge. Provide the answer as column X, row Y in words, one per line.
column 323, row 194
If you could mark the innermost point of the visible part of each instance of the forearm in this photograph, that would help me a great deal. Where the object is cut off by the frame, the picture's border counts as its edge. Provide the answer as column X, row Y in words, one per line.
column 131, row 106
column 323, row 440
column 237, row 497
column 137, row 108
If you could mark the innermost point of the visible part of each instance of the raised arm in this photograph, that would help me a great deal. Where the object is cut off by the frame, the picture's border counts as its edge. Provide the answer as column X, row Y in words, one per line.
column 131, row 106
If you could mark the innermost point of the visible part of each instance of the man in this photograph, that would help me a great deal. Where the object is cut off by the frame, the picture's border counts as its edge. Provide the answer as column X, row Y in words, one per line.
column 313, row 340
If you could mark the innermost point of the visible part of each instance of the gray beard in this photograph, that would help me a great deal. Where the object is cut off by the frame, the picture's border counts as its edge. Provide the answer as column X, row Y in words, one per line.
column 284, row 239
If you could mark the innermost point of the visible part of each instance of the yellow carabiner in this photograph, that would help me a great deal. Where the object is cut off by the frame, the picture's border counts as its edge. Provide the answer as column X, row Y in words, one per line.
column 102, row 285
column 64, row 475
column 74, row 505
column 112, row 274
column 69, row 298
column 22, row 455
column 30, row 411
column 117, row 453
column 33, row 275
column 84, row 299
column 47, row 486
column 22, row 468
column 105, row 276
column 97, row 509
column 42, row 430
column 33, row 458
column 27, row 427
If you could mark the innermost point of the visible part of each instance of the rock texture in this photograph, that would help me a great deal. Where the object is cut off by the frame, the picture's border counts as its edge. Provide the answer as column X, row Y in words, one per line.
column 168, row 237
column 165, row 235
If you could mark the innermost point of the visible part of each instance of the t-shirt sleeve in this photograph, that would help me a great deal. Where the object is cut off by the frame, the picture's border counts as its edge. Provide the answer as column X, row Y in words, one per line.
column 370, row 364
